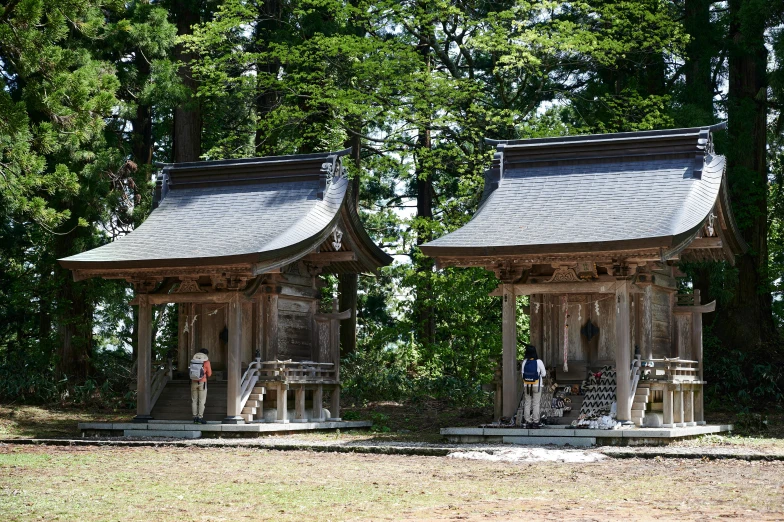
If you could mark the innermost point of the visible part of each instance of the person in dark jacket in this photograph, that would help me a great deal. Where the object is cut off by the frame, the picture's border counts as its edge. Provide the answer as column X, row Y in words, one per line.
column 534, row 373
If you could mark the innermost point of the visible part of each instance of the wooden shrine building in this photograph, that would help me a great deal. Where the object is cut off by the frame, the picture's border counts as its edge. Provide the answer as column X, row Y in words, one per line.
column 592, row 228
column 240, row 246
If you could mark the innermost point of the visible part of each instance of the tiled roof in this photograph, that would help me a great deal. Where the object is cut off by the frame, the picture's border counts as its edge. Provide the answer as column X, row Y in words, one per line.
column 241, row 211
column 589, row 193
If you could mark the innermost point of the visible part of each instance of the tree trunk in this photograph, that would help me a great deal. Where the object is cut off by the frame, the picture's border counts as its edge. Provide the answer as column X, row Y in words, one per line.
column 266, row 97
column 75, row 320
column 424, row 311
column 698, row 99
column 187, row 116
column 748, row 321
column 141, row 137
column 349, row 283
column 700, row 50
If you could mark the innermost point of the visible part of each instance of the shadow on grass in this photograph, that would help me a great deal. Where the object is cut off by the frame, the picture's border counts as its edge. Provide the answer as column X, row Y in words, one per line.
column 48, row 422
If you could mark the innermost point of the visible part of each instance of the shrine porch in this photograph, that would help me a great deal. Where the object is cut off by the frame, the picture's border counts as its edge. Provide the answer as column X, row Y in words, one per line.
column 185, row 430
column 568, row 436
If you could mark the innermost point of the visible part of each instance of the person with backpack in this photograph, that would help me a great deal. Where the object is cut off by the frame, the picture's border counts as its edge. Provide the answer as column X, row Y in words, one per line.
column 534, row 373
column 200, row 370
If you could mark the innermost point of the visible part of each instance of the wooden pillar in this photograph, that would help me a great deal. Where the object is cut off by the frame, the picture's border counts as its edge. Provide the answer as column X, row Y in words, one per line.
column 646, row 334
column 688, row 406
column 144, row 368
column 535, row 327
column 334, row 410
column 699, row 410
column 233, row 362
column 318, row 401
column 667, row 406
column 299, row 405
column 283, row 404
column 334, row 405
column 623, row 352
column 696, row 333
column 678, row 420
column 509, row 336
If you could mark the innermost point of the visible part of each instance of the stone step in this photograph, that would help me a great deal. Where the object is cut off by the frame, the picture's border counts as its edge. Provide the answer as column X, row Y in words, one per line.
column 249, row 410
column 642, row 392
column 260, row 390
column 177, row 434
column 256, row 396
column 639, row 405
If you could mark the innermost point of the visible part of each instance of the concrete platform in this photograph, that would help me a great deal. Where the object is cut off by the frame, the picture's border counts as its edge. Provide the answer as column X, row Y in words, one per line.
column 188, row 430
column 568, row 436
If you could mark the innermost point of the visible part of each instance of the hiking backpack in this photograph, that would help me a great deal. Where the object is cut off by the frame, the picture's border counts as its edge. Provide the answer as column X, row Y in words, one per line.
column 196, row 369
column 531, row 372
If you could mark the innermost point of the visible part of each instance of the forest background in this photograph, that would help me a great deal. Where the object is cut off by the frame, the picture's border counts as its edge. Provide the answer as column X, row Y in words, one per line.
column 94, row 93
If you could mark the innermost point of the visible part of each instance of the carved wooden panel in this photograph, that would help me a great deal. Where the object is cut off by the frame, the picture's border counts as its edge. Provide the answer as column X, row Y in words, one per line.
column 661, row 324
column 295, row 335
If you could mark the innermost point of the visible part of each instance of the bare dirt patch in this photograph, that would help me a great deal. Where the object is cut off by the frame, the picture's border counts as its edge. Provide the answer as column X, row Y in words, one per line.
column 256, row 484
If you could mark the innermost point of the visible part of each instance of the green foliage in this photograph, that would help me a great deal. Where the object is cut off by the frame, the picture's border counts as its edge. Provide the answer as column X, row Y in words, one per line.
column 87, row 94
column 742, row 378
column 750, row 424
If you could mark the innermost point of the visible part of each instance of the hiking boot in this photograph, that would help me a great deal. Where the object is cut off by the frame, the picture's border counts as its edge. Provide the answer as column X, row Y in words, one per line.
column 202, row 421
column 195, row 420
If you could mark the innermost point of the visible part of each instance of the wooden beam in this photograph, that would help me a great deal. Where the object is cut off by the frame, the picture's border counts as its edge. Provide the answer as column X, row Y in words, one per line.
column 509, row 341
column 592, row 287
column 697, row 309
column 194, row 297
column 324, row 258
column 706, row 242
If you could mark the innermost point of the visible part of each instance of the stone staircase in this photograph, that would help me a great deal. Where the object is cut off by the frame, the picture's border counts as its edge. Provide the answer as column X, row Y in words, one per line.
column 253, row 408
column 643, row 405
column 640, row 404
column 175, row 401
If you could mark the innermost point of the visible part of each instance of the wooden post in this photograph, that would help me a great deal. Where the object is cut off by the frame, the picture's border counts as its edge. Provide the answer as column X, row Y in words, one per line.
column 318, row 401
column 688, row 407
column 667, row 407
column 334, row 404
column 646, row 348
column 299, row 405
column 335, row 341
column 699, row 410
column 535, row 327
column 283, row 405
column 144, row 368
column 509, row 336
column 696, row 333
column 233, row 363
column 678, row 420
column 623, row 352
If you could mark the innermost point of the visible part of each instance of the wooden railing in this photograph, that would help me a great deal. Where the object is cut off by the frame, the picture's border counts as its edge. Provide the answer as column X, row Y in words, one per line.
column 160, row 378
column 634, row 377
column 673, row 370
column 303, row 371
column 248, row 382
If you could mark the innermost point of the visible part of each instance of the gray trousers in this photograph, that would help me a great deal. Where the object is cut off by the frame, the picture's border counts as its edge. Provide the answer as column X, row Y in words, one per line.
column 198, row 398
column 532, row 400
